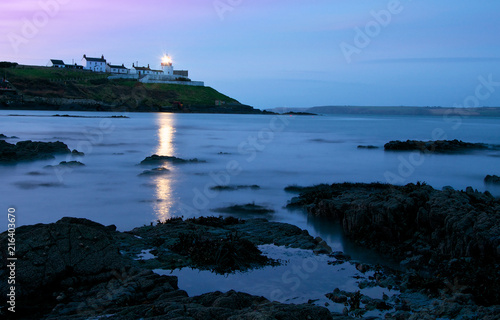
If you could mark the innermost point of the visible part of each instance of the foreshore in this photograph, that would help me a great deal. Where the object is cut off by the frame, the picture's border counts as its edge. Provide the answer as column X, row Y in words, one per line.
column 78, row 269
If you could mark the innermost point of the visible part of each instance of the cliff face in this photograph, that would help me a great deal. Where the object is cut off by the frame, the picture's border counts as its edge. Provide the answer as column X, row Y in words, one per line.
column 58, row 89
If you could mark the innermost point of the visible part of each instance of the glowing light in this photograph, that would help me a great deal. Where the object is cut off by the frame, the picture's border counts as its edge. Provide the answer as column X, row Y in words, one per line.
column 164, row 184
column 166, row 60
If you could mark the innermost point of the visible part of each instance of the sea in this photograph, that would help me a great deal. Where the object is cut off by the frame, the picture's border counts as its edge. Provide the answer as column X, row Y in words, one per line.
column 270, row 151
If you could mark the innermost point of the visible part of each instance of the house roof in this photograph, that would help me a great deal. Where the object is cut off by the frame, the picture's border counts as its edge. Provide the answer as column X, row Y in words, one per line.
column 54, row 61
column 94, row 59
column 157, row 70
column 142, row 68
column 117, row 67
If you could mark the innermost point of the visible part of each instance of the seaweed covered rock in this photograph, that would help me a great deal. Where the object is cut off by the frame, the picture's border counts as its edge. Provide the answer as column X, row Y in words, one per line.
column 446, row 233
column 492, row 179
column 31, row 150
column 159, row 160
column 73, row 269
column 222, row 245
column 434, row 146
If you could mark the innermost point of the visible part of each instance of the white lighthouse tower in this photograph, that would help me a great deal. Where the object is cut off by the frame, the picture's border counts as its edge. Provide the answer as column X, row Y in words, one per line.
column 166, row 65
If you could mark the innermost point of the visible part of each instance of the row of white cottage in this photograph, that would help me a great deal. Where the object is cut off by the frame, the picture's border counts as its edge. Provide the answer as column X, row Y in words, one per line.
column 100, row 65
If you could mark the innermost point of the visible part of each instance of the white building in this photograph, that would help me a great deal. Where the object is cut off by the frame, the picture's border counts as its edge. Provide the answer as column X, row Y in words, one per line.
column 167, row 66
column 144, row 70
column 94, row 64
column 117, row 69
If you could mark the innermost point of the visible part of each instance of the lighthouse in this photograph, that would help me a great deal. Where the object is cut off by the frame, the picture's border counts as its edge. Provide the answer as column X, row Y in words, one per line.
column 166, row 65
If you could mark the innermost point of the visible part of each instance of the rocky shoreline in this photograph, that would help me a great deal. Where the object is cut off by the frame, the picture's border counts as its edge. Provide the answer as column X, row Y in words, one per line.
column 78, row 269
column 448, row 242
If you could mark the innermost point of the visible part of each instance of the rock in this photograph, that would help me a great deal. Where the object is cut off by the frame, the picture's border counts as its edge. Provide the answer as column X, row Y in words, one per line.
column 434, row 146
column 234, row 188
column 156, row 159
column 4, row 137
column 249, row 208
column 492, row 179
column 72, row 269
column 68, row 164
column 76, row 153
column 174, row 238
column 432, row 226
column 29, row 150
column 155, row 172
column 368, row 147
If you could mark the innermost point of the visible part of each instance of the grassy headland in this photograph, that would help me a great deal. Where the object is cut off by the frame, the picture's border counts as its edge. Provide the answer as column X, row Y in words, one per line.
column 43, row 88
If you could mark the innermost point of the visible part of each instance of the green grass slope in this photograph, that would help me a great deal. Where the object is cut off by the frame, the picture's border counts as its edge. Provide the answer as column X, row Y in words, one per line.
column 48, row 85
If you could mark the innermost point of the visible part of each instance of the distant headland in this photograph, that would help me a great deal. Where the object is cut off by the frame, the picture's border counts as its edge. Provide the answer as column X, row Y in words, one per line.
column 398, row 110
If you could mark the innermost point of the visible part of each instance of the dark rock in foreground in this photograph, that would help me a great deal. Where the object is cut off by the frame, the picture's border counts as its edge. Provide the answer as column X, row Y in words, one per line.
column 73, row 269
column 30, row 150
column 156, row 159
column 434, row 146
column 492, row 179
column 197, row 242
column 451, row 237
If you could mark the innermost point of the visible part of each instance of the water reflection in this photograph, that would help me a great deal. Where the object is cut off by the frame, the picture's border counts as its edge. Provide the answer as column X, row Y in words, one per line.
column 164, row 183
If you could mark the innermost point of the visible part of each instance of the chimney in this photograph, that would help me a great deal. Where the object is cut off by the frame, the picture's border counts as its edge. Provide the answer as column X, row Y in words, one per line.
column 148, row 65
column 84, row 56
column 102, row 57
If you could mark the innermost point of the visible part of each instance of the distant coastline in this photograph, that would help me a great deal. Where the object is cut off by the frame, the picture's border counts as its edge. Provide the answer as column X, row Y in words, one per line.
column 402, row 110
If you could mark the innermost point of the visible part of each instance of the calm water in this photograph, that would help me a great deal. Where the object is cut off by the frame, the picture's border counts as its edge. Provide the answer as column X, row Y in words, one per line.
column 270, row 151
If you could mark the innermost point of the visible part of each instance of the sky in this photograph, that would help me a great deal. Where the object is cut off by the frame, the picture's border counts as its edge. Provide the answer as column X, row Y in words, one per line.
column 277, row 53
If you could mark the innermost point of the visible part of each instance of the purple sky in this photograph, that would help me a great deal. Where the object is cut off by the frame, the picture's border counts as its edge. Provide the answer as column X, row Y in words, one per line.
column 294, row 53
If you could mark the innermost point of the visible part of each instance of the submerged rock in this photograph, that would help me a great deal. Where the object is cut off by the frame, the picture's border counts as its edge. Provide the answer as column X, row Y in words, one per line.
column 155, row 172
column 249, row 208
column 67, row 164
column 368, row 147
column 156, row 159
column 30, row 150
column 434, row 146
column 234, row 188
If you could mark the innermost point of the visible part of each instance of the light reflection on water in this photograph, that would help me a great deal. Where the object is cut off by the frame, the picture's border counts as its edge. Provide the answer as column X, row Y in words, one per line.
column 164, row 183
